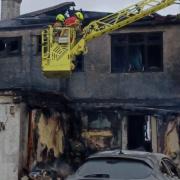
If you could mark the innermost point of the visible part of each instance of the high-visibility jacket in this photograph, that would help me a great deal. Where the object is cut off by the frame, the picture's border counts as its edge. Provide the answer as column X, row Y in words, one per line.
column 71, row 21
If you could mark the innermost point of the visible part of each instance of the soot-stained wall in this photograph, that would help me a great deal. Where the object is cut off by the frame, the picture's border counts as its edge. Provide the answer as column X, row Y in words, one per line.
column 23, row 70
column 97, row 81
column 169, row 137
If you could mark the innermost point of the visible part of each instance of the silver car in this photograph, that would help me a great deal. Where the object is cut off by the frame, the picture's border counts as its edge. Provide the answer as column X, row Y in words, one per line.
column 127, row 165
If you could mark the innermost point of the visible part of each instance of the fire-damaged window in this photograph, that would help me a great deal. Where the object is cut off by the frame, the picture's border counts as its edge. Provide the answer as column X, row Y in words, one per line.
column 10, row 46
column 100, row 130
column 79, row 63
column 39, row 44
column 137, row 52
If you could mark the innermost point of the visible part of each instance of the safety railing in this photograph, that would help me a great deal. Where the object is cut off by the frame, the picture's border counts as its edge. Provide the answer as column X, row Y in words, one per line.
column 56, row 44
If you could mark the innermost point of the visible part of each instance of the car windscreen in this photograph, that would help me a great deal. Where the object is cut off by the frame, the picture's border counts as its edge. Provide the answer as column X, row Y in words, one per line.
column 115, row 168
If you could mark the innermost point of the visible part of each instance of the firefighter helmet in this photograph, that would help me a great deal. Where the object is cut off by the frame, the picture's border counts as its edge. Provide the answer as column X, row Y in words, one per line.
column 60, row 17
column 79, row 15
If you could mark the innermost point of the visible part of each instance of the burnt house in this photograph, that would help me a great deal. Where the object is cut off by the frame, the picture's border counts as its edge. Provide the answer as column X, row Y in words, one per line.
column 124, row 92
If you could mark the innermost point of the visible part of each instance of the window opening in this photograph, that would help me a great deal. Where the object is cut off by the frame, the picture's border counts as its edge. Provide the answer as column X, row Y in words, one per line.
column 79, row 63
column 10, row 46
column 39, row 44
column 136, row 52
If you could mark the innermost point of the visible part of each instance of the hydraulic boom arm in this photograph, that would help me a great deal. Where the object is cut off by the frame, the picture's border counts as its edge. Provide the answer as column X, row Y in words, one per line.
column 58, row 57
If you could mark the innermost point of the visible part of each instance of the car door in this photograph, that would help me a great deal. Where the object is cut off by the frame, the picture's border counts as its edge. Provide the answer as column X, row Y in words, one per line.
column 172, row 169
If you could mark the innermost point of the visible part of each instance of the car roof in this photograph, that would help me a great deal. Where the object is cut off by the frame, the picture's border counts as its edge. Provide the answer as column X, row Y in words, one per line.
column 150, row 158
column 119, row 153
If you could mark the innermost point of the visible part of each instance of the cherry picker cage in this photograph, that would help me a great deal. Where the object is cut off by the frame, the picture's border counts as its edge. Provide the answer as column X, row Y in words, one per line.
column 60, row 46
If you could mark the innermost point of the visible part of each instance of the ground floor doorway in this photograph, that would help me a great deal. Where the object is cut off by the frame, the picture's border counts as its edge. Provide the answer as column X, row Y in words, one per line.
column 139, row 133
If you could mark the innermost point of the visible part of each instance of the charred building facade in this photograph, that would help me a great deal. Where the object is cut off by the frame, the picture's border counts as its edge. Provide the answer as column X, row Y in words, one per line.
column 124, row 92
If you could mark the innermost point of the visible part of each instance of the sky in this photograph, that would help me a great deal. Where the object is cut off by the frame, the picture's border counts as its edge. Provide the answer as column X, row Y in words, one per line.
column 90, row 5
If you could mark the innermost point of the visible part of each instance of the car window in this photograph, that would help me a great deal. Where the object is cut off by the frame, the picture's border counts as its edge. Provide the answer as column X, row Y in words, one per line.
column 115, row 168
column 164, row 169
column 171, row 166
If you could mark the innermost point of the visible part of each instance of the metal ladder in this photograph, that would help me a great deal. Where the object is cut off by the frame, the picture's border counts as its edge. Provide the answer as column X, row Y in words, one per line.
column 125, row 17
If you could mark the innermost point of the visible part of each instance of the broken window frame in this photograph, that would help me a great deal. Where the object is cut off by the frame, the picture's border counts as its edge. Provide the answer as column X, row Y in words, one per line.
column 38, row 44
column 109, row 130
column 126, row 43
column 79, row 62
column 8, row 44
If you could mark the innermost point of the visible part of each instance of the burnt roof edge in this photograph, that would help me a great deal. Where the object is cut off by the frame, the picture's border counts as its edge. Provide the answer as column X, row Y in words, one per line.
column 42, row 11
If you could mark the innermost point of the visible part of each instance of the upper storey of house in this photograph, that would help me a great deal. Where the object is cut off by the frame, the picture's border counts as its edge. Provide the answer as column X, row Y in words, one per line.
column 140, row 61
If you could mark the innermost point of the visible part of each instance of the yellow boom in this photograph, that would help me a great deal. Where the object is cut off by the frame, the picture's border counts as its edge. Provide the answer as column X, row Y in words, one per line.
column 59, row 53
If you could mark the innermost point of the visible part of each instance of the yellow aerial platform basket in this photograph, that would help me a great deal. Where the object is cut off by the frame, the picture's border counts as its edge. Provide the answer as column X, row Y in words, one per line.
column 56, row 51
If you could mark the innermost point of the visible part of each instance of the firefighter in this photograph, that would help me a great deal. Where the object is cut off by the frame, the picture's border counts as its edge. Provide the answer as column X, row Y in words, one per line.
column 60, row 18
column 75, row 22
